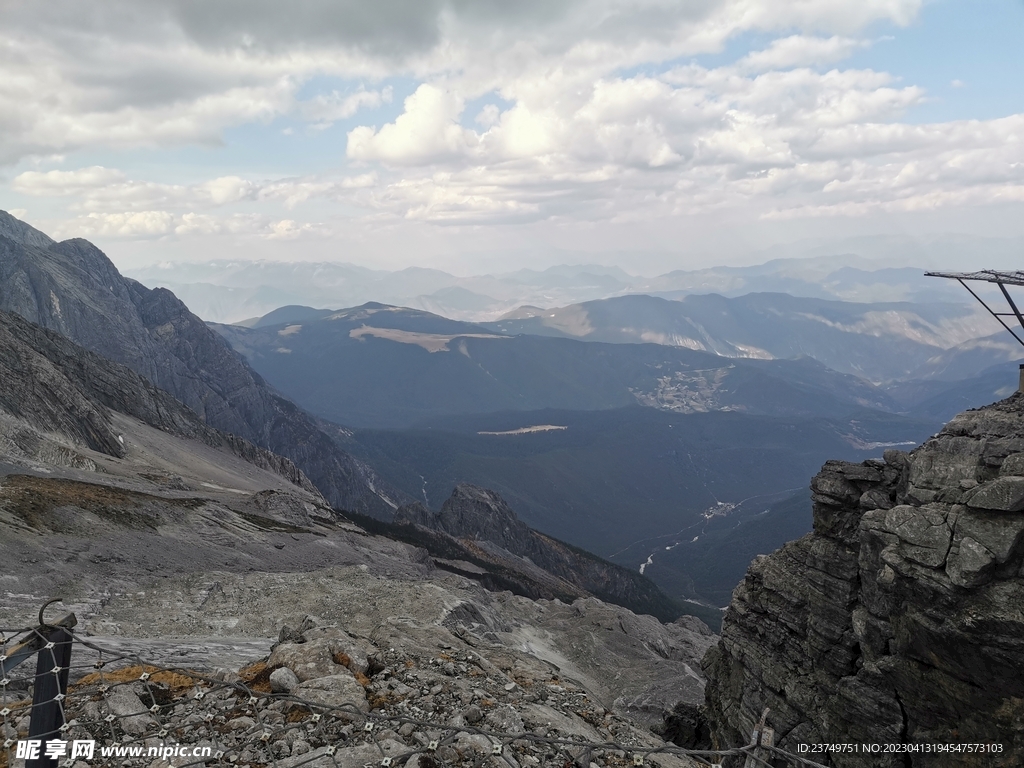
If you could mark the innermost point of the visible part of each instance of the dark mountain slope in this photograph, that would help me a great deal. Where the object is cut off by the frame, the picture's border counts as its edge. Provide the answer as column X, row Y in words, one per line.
column 72, row 288
column 604, row 480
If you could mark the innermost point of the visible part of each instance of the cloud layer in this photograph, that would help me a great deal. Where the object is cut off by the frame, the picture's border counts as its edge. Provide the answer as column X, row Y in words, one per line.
column 586, row 111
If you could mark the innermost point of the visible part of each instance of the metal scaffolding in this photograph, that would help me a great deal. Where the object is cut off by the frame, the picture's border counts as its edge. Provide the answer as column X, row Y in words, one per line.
column 1002, row 279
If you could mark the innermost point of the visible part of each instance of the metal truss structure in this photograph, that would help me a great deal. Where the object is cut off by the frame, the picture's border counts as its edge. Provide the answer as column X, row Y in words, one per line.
column 1002, row 279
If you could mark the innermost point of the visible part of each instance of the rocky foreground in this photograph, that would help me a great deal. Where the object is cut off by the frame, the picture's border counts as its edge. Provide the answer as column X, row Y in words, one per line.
column 414, row 683
column 900, row 619
column 440, row 651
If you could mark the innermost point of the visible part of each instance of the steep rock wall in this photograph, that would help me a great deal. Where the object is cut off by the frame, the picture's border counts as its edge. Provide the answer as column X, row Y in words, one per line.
column 900, row 618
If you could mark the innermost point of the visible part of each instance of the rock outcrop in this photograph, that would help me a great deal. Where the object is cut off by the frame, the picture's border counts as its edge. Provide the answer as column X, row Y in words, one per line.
column 486, row 529
column 74, row 289
column 900, row 619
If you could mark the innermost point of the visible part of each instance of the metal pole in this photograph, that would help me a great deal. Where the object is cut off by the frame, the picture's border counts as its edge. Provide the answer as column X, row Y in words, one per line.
column 51, row 689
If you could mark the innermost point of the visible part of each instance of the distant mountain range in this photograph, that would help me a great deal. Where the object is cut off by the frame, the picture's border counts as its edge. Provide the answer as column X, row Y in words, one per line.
column 238, row 290
column 383, row 366
column 623, row 424
column 552, row 420
column 95, row 457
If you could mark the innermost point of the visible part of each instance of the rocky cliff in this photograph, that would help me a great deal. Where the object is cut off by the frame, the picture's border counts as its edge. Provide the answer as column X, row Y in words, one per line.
column 73, row 288
column 484, row 524
column 900, row 619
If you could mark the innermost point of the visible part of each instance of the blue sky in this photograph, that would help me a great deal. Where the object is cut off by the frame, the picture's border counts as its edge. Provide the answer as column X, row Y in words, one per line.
column 682, row 134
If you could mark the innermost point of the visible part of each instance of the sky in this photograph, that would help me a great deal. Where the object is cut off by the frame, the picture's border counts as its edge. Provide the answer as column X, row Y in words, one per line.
column 483, row 135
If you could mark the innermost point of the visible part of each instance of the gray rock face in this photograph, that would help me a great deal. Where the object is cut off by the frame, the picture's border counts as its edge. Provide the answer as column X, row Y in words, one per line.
column 899, row 618
column 478, row 517
column 73, row 288
column 56, row 386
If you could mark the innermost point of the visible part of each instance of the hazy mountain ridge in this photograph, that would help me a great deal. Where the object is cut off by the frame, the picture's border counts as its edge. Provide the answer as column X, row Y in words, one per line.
column 877, row 341
column 231, row 291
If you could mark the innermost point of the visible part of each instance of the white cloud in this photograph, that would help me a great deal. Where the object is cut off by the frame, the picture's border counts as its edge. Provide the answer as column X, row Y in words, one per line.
column 287, row 229
column 324, row 110
column 62, row 183
column 800, row 50
column 229, row 189
column 488, row 116
column 135, row 224
column 691, row 140
column 197, row 69
column 427, row 131
column 147, row 225
column 108, row 190
column 572, row 117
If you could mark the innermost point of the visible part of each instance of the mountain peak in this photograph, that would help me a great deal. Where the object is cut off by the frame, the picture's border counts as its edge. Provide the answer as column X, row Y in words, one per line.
column 15, row 229
column 471, row 512
column 74, row 289
column 483, row 514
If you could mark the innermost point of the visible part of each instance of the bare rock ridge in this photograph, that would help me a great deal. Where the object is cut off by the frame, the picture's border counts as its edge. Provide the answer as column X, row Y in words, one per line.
column 484, row 526
column 53, row 385
column 900, row 618
column 73, row 288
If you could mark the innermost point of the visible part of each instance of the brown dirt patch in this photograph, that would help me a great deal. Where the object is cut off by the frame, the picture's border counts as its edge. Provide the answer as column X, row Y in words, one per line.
column 257, row 676
column 33, row 499
column 175, row 681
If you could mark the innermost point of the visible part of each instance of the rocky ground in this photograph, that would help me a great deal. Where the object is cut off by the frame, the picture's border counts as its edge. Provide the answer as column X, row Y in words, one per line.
column 187, row 555
column 434, row 692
